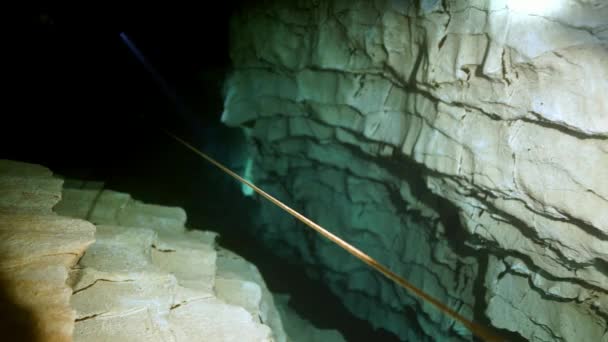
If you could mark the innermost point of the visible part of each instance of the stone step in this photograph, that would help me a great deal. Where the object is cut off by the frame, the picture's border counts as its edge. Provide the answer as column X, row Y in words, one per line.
column 146, row 278
column 21, row 169
column 26, row 238
column 115, row 293
column 71, row 183
column 211, row 319
column 116, row 208
column 190, row 256
column 120, row 249
column 245, row 294
column 126, row 278
column 239, row 282
column 76, row 203
column 153, row 285
column 27, row 187
column 136, row 325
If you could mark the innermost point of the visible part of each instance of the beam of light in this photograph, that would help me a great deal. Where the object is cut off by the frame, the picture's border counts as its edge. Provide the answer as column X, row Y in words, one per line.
column 157, row 77
column 182, row 109
column 187, row 115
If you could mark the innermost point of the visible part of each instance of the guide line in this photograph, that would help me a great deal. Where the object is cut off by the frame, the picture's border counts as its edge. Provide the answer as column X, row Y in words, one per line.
column 483, row 332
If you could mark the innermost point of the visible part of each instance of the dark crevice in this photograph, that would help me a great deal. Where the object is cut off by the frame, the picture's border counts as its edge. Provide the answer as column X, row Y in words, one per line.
column 99, row 280
column 504, row 67
column 441, row 42
column 566, row 262
column 447, row 10
column 601, row 265
column 479, row 310
column 561, row 128
column 417, row 65
column 544, row 295
column 527, row 260
column 87, row 317
column 584, row 226
column 163, row 250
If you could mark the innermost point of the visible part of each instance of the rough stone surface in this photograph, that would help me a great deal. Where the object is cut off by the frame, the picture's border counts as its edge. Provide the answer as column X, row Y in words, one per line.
column 156, row 280
column 143, row 277
column 28, row 187
column 239, row 282
column 448, row 139
column 37, row 250
column 148, row 278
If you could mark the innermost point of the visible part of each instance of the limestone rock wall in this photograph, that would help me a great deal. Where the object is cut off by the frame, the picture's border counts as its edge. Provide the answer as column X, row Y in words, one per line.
column 462, row 143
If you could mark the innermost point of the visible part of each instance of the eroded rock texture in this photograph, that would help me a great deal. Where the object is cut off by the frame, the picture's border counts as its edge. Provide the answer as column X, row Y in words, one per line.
column 462, row 143
column 148, row 278
column 138, row 275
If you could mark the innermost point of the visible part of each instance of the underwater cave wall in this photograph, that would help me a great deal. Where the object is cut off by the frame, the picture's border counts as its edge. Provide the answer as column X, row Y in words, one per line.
column 464, row 144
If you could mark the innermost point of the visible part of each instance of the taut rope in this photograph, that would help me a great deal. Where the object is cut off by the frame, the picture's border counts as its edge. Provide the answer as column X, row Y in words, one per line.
column 479, row 330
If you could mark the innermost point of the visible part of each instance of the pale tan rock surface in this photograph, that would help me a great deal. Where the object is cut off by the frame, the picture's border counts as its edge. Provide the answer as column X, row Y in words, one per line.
column 148, row 278
column 156, row 280
column 28, row 187
column 497, row 106
column 37, row 250
column 143, row 277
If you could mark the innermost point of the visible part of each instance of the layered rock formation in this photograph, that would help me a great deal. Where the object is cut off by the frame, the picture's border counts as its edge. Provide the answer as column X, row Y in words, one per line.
column 143, row 276
column 148, row 278
column 462, row 143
